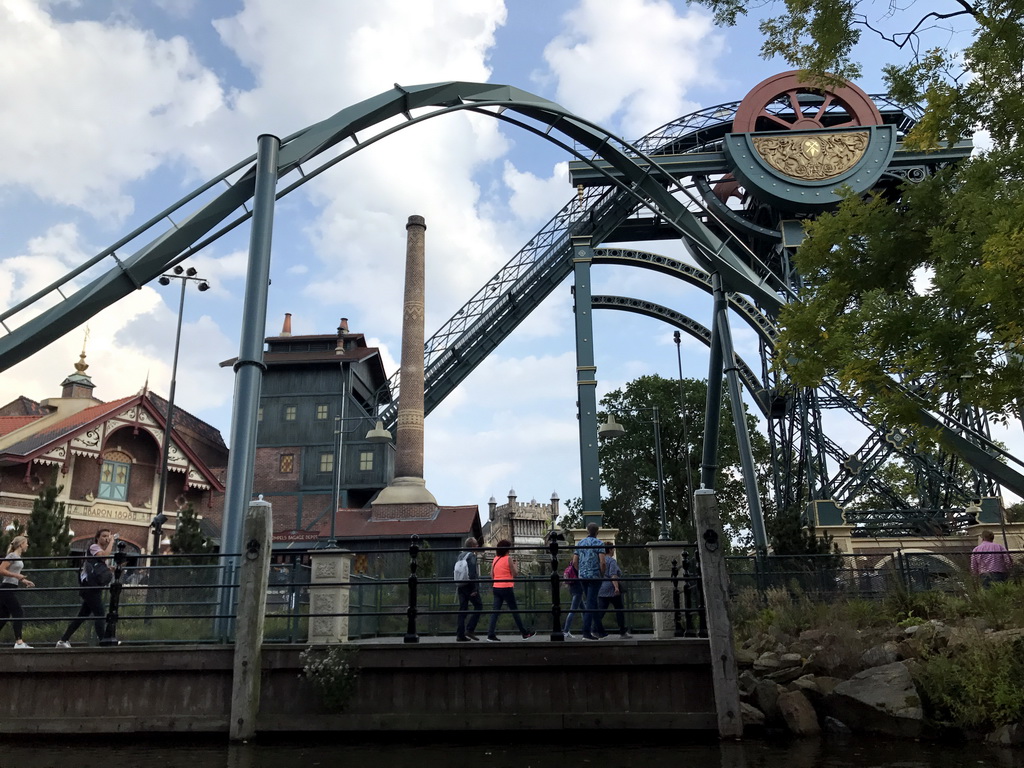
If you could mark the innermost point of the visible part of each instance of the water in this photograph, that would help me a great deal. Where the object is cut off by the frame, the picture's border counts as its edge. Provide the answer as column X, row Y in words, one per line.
column 575, row 750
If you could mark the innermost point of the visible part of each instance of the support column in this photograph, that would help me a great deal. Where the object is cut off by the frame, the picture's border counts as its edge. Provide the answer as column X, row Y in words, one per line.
column 248, row 370
column 586, row 381
column 713, row 403
column 660, row 555
column 329, row 592
column 740, row 421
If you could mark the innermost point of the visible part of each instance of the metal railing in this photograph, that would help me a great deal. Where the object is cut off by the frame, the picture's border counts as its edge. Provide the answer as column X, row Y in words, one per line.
column 404, row 592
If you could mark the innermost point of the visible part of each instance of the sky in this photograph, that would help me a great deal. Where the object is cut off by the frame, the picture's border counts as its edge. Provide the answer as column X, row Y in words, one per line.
column 115, row 109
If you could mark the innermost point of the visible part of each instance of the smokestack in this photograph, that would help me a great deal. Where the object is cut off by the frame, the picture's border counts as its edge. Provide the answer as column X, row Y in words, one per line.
column 408, row 487
column 286, row 329
column 343, row 326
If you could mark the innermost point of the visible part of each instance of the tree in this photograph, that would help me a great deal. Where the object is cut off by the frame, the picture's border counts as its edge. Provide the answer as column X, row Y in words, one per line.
column 49, row 529
column 628, row 467
column 188, row 538
column 925, row 287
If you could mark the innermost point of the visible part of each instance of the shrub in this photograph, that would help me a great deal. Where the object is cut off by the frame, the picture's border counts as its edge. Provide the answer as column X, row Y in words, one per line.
column 979, row 687
column 333, row 673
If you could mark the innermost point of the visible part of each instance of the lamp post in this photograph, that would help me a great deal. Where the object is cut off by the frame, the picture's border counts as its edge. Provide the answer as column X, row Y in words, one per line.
column 184, row 275
column 682, row 412
column 611, row 428
column 376, row 435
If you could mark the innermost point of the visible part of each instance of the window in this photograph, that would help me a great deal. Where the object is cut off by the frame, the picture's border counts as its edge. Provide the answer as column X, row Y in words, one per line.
column 114, row 474
column 326, row 462
column 365, row 461
column 321, row 412
column 259, row 415
column 287, row 463
column 289, row 413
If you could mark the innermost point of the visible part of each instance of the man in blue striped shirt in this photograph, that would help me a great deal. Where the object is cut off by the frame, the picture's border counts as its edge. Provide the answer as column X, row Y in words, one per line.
column 589, row 562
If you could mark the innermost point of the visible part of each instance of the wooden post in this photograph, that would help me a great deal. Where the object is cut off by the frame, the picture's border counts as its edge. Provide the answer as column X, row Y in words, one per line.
column 252, row 607
column 716, row 596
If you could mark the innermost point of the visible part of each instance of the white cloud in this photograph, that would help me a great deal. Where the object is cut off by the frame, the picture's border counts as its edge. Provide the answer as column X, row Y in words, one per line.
column 631, row 61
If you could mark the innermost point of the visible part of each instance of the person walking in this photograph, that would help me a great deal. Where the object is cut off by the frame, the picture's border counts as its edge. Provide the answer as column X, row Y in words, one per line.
column 503, row 573
column 588, row 559
column 572, row 580
column 610, row 593
column 990, row 560
column 11, row 577
column 469, row 593
column 92, row 581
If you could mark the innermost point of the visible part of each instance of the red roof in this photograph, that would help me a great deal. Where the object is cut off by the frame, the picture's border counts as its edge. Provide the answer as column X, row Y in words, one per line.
column 10, row 423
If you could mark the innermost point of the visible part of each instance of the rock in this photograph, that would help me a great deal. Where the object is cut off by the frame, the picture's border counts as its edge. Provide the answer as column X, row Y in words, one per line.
column 879, row 700
column 745, row 657
column 1007, row 735
column 746, row 682
column 766, row 698
column 767, row 662
column 790, row 660
column 812, row 635
column 834, row 661
column 836, row 726
column 751, row 716
column 880, row 655
column 785, row 675
column 815, row 688
column 798, row 714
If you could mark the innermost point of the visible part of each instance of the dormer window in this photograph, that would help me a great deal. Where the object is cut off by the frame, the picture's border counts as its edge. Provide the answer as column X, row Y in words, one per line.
column 114, row 475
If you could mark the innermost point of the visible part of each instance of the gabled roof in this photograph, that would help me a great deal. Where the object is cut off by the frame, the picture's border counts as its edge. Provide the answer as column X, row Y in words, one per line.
column 23, row 406
column 37, row 443
column 10, row 423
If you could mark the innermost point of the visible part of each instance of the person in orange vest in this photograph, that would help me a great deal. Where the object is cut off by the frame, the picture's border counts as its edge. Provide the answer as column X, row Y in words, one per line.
column 503, row 574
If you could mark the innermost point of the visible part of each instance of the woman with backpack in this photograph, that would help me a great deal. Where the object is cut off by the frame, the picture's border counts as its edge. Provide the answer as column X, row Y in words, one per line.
column 572, row 580
column 504, row 572
column 92, row 579
column 11, row 578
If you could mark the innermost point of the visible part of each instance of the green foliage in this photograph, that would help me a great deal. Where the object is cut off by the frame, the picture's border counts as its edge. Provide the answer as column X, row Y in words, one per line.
column 188, row 538
column 629, row 469
column 978, row 686
column 48, row 528
column 333, row 673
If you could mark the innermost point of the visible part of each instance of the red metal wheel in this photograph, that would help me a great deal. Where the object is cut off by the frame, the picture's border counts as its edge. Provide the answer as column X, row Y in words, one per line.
column 786, row 102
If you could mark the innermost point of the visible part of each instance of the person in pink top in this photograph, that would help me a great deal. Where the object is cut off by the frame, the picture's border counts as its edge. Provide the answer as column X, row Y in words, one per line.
column 990, row 561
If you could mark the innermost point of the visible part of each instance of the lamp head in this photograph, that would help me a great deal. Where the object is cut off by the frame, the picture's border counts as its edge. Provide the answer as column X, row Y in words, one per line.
column 178, row 270
column 378, row 434
column 164, row 280
column 204, row 286
column 191, row 271
column 158, row 521
column 610, row 428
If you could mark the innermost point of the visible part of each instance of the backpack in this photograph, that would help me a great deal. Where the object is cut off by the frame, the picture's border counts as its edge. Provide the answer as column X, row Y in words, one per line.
column 570, row 574
column 96, row 573
column 462, row 569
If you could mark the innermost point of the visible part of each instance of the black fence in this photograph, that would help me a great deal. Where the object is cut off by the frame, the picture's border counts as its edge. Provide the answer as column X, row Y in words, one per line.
column 179, row 598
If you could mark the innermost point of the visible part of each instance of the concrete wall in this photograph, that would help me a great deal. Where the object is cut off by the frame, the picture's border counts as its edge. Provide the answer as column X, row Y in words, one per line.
column 537, row 686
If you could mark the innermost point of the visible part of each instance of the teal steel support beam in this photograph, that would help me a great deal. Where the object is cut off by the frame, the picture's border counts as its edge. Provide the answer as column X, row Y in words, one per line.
column 586, row 381
column 249, row 370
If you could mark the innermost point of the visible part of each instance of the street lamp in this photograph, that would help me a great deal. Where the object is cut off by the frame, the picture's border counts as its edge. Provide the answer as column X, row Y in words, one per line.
column 376, row 435
column 184, row 275
column 611, row 428
column 682, row 411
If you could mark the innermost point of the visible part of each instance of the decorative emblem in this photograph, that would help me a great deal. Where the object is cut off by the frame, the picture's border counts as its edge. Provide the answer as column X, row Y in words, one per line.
column 813, row 158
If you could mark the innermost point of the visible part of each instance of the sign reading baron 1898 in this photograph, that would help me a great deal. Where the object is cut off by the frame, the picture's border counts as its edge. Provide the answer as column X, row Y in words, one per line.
column 116, row 513
column 296, row 536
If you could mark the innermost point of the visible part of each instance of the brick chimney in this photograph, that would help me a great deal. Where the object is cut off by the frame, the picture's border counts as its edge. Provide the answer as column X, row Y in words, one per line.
column 286, row 329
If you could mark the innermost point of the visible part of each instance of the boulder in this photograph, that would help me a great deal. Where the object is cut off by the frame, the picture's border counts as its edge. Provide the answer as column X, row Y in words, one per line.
column 766, row 698
column 745, row 657
column 814, row 688
column 767, row 662
column 746, row 682
column 836, row 726
column 798, row 714
column 880, row 655
column 1007, row 736
column 751, row 716
column 879, row 700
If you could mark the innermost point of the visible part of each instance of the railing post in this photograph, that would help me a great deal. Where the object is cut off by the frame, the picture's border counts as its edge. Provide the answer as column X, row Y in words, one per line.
column 676, row 617
column 715, row 582
column 410, row 632
column 556, row 590
column 329, row 593
column 253, row 572
column 110, row 629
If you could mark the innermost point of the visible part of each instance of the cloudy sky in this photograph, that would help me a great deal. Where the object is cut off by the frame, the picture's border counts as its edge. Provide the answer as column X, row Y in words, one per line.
column 114, row 109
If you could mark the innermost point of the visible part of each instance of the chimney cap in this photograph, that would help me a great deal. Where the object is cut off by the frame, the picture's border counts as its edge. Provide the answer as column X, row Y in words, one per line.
column 416, row 221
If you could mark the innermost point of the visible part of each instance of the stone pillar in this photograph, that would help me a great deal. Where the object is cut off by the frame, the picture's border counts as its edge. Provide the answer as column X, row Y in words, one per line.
column 660, row 555
column 329, row 586
column 408, row 487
